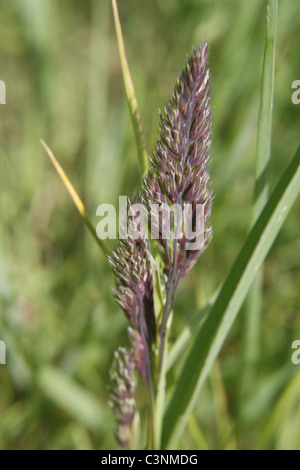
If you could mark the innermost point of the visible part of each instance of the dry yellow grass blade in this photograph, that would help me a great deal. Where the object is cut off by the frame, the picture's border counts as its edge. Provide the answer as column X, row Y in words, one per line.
column 76, row 199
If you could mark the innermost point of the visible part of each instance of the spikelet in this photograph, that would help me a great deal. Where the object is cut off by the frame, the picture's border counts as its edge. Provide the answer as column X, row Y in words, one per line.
column 179, row 170
column 122, row 395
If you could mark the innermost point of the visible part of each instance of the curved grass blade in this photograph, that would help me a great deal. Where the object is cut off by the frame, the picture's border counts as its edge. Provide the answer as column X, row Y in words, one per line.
column 211, row 337
column 76, row 199
column 131, row 97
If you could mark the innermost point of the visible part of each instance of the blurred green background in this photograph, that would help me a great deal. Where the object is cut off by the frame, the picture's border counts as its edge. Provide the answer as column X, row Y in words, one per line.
column 60, row 63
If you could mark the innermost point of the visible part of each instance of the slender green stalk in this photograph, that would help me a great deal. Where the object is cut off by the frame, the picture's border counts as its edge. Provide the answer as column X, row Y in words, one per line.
column 76, row 199
column 183, row 341
column 252, row 328
column 161, row 373
column 171, row 288
column 131, row 97
column 160, row 400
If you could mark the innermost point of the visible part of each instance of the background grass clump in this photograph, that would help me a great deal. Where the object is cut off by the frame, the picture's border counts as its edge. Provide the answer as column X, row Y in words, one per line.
column 57, row 316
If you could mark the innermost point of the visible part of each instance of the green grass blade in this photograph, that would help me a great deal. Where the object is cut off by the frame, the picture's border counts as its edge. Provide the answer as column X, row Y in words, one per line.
column 71, row 397
column 76, row 199
column 131, row 96
column 210, row 339
column 252, row 326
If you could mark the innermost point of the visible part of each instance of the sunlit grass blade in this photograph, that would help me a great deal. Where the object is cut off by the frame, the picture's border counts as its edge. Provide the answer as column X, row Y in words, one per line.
column 252, row 324
column 211, row 337
column 131, row 96
column 76, row 199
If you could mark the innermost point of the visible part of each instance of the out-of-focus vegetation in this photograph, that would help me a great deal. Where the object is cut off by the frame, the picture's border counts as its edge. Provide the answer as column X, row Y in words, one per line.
column 57, row 316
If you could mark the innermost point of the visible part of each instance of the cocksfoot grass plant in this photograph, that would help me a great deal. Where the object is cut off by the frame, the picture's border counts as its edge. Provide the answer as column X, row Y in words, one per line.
column 147, row 271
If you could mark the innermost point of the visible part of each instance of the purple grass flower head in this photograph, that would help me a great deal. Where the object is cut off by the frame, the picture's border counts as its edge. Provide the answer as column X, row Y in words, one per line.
column 179, row 170
column 122, row 395
column 133, row 290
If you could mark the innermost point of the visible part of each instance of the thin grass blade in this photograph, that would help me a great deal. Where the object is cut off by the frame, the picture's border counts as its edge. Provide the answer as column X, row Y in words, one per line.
column 131, row 96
